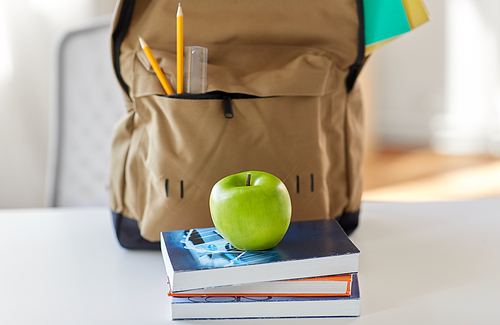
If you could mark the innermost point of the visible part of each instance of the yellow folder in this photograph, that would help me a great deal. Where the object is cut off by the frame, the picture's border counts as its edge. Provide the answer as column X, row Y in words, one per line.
column 416, row 13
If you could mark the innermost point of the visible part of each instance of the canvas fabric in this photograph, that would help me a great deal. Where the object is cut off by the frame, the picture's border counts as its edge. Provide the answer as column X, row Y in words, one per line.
column 298, row 112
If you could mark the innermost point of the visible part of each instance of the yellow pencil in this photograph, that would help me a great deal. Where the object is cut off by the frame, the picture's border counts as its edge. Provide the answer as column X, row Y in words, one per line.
column 156, row 67
column 180, row 50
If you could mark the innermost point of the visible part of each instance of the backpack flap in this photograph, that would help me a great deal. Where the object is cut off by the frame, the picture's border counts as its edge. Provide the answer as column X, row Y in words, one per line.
column 332, row 27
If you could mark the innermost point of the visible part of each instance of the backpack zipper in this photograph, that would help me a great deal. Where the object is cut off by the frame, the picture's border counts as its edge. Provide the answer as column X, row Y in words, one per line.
column 220, row 95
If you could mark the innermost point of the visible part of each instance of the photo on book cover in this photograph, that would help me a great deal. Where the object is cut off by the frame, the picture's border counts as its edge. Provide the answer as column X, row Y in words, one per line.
column 210, row 249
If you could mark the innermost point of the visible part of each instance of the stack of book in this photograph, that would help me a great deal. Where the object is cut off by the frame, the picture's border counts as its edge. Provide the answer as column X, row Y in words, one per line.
column 312, row 272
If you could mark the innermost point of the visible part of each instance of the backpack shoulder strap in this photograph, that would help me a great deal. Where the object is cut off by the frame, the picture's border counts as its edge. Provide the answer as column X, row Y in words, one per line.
column 356, row 67
column 121, row 21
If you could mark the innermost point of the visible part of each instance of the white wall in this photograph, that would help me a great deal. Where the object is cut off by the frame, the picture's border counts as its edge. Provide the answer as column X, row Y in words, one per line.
column 408, row 82
column 470, row 122
column 439, row 85
column 29, row 30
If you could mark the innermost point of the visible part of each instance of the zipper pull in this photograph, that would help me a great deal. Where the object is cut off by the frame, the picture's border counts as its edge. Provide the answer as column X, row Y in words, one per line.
column 228, row 106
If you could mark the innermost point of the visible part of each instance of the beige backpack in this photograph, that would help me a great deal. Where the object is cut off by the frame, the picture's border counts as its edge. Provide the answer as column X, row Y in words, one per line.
column 281, row 97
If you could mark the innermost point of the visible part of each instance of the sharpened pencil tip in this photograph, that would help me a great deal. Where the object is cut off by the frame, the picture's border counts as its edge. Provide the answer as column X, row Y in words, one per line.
column 179, row 10
column 141, row 41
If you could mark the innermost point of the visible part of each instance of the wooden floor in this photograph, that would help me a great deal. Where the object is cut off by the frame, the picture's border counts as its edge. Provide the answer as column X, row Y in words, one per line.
column 422, row 175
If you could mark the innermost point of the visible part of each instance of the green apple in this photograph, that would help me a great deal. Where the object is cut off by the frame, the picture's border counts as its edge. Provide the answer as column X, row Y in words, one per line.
column 251, row 210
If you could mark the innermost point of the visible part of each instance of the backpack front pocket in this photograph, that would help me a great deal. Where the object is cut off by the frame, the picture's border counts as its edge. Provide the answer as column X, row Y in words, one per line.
column 294, row 132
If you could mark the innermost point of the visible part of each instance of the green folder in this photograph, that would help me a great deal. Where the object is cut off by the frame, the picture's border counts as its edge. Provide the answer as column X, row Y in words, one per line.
column 384, row 19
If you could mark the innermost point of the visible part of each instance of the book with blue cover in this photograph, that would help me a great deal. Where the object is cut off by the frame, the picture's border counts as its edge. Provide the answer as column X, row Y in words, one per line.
column 234, row 307
column 201, row 258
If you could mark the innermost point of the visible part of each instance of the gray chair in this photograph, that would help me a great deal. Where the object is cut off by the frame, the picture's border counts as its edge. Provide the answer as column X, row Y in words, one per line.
column 88, row 102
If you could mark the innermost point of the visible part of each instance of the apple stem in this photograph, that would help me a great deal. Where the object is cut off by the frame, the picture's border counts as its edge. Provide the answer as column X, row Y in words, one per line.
column 248, row 178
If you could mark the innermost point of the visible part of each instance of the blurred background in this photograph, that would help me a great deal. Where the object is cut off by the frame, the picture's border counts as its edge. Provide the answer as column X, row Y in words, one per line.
column 432, row 101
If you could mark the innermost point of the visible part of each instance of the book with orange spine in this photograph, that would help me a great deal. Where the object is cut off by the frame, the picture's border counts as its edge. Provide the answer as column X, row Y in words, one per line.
column 264, row 307
column 337, row 285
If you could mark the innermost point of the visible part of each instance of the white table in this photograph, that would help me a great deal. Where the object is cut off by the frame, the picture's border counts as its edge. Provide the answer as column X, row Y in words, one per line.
column 420, row 263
